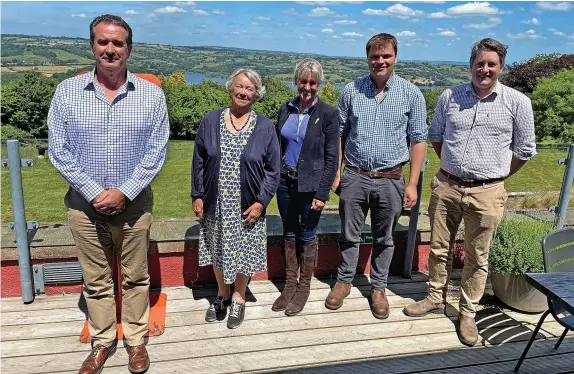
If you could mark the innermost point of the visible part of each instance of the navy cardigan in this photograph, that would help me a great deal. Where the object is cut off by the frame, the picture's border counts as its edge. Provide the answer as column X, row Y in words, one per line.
column 259, row 165
column 319, row 157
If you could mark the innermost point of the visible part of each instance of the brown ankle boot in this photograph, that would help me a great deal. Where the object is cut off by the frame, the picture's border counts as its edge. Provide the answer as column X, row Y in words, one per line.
column 291, row 267
column 467, row 330
column 308, row 258
column 337, row 295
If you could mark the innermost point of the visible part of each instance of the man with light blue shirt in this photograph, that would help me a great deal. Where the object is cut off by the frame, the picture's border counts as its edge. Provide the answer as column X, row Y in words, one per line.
column 381, row 114
column 483, row 132
column 108, row 132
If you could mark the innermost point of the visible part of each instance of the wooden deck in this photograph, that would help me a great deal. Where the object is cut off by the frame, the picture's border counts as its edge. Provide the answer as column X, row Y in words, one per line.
column 44, row 337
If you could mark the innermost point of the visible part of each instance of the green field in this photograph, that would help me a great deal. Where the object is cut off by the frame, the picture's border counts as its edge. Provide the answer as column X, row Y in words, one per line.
column 44, row 188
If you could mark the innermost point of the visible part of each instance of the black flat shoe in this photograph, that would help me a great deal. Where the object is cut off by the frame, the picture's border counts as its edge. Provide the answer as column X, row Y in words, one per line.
column 218, row 310
column 236, row 315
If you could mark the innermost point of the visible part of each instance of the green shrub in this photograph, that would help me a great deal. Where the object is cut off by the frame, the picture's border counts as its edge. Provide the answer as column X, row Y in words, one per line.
column 517, row 247
column 11, row 132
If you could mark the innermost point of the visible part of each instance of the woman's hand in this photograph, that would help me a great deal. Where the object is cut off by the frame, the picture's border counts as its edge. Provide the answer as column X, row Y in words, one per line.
column 253, row 213
column 317, row 205
column 197, row 206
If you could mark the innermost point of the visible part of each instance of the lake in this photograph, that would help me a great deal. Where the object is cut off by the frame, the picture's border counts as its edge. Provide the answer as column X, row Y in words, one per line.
column 196, row 78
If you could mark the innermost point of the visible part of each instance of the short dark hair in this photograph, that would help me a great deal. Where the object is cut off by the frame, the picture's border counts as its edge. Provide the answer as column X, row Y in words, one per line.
column 381, row 40
column 489, row 44
column 114, row 20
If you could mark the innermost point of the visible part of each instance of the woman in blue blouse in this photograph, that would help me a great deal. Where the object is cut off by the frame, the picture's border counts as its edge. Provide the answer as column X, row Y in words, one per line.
column 236, row 164
column 308, row 132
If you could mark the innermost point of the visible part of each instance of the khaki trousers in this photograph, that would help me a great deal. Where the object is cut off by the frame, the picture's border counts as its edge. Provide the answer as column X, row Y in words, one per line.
column 482, row 208
column 99, row 238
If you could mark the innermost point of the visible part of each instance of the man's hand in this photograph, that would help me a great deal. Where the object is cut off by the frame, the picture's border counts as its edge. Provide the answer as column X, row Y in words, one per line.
column 410, row 196
column 197, row 206
column 111, row 201
column 253, row 213
column 317, row 205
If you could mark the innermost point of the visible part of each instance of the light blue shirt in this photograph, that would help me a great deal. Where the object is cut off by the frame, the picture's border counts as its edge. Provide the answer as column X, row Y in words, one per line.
column 294, row 130
column 99, row 145
column 378, row 131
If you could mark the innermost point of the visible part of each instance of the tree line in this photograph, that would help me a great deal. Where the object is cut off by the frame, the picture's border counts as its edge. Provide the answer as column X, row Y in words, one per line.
column 547, row 79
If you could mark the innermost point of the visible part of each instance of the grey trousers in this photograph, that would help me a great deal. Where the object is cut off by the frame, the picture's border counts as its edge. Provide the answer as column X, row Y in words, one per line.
column 384, row 197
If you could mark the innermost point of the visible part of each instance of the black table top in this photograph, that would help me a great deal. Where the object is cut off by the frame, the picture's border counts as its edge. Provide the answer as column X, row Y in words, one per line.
column 555, row 286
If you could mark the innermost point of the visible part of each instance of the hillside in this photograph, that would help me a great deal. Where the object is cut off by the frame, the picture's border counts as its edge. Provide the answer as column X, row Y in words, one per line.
column 52, row 55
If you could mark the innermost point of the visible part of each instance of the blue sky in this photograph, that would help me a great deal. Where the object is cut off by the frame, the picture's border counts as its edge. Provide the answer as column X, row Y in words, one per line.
column 434, row 30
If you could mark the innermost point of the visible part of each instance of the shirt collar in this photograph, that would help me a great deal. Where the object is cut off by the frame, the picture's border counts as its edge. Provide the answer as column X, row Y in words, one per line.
column 496, row 91
column 295, row 102
column 388, row 85
column 130, row 81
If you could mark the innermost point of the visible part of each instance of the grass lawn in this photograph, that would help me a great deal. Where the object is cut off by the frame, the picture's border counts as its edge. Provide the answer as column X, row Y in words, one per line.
column 44, row 188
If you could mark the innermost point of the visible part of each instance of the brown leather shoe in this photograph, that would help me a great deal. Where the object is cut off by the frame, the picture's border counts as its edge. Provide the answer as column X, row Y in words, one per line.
column 379, row 304
column 94, row 363
column 337, row 295
column 423, row 307
column 467, row 330
column 138, row 359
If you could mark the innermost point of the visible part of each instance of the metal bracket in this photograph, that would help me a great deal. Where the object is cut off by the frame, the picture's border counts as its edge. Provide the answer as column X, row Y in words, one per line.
column 25, row 162
column 31, row 226
column 55, row 273
column 38, row 274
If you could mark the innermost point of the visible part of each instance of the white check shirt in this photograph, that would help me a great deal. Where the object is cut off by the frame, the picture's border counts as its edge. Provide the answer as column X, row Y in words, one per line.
column 98, row 145
column 480, row 136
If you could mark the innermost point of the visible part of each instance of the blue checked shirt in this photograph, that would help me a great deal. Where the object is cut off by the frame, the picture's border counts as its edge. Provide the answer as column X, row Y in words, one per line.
column 379, row 131
column 98, row 145
column 480, row 136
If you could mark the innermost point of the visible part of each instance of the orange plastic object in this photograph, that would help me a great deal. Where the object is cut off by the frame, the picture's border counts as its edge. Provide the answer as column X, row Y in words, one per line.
column 148, row 77
column 156, row 324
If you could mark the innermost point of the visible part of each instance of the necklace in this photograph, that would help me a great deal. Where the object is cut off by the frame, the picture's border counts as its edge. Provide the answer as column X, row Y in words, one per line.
column 233, row 124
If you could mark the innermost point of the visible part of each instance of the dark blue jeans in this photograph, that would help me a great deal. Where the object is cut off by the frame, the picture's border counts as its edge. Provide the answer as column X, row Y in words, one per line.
column 299, row 220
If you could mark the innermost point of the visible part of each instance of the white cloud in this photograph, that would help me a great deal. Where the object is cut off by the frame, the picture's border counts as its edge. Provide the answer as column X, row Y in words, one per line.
column 398, row 10
column 492, row 22
column 345, row 22
column 255, row 23
column 530, row 34
column 328, row 31
column 372, row 29
column 218, row 12
column 290, row 11
column 185, row 3
column 352, row 34
column 169, row 9
column 261, row 18
column 447, row 33
column 311, row 35
column 408, row 45
column 80, row 15
column 561, row 7
column 491, row 34
column 200, row 12
column 321, row 12
column 472, row 9
column 131, row 11
column 438, row 15
column 414, row 20
column 533, row 21
column 336, row 37
column 314, row 2
column 235, row 32
column 407, row 34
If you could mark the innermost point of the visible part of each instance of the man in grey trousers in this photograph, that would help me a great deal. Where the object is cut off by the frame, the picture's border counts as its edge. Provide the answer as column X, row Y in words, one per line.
column 381, row 114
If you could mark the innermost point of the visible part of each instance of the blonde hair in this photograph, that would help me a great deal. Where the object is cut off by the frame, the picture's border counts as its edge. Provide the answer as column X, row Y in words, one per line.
column 253, row 76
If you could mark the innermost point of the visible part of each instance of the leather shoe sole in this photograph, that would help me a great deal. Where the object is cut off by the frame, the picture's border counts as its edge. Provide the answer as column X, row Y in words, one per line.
column 333, row 306
column 380, row 316
column 139, row 371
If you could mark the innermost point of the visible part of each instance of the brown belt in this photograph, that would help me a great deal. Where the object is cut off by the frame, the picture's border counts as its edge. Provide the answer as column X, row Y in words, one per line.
column 393, row 174
column 469, row 182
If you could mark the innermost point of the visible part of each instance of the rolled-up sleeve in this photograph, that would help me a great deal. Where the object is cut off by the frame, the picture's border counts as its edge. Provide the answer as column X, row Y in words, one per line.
column 523, row 137
column 344, row 106
column 417, row 130
column 60, row 150
column 438, row 124
column 156, row 150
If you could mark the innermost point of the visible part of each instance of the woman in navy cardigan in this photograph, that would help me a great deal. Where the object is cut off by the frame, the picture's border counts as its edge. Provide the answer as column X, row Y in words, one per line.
column 236, row 164
column 308, row 132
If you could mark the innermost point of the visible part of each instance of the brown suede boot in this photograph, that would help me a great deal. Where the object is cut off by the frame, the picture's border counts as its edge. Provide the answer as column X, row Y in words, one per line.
column 467, row 330
column 291, row 267
column 337, row 295
column 308, row 259
column 423, row 307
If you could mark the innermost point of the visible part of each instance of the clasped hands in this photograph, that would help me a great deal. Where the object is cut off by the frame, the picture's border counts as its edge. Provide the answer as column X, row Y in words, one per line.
column 250, row 216
column 110, row 202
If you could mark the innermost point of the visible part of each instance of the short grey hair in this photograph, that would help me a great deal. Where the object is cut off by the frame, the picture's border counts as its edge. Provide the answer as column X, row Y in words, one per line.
column 489, row 44
column 308, row 65
column 253, row 76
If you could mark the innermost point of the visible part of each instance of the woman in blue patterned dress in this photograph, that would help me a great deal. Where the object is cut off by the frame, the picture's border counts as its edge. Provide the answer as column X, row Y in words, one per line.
column 236, row 165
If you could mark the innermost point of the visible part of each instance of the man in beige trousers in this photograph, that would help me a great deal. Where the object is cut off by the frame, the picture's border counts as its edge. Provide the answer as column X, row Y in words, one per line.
column 108, row 132
column 482, row 132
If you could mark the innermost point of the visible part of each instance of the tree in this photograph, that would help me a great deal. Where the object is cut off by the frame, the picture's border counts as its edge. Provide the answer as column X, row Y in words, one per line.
column 277, row 94
column 553, row 105
column 431, row 98
column 26, row 102
column 524, row 76
column 330, row 94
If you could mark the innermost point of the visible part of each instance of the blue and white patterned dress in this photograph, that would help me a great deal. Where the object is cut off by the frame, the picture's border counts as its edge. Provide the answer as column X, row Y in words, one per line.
column 224, row 240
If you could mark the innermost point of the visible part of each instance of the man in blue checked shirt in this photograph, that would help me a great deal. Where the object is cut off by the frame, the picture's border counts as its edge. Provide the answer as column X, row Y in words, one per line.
column 108, row 133
column 381, row 114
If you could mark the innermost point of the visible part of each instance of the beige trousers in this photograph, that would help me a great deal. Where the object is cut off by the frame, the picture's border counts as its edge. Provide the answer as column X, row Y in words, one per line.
column 482, row 208
column 99, row 238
